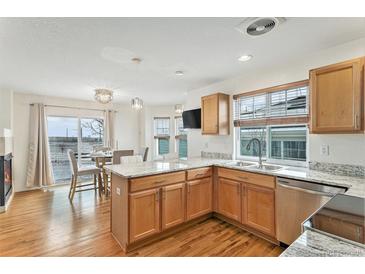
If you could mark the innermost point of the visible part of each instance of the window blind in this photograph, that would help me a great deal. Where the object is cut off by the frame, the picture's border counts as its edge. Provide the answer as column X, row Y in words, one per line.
column 161, row 127
column 285, row 104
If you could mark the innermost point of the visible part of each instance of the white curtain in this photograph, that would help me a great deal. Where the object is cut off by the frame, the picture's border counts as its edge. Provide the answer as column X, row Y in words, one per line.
column 109, row 140
column 39, row 171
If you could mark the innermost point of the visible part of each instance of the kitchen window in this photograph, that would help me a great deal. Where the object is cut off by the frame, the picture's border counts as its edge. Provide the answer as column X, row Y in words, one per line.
column 281, row 144
column 181, row 142
column 278, row 117
column 162, row 135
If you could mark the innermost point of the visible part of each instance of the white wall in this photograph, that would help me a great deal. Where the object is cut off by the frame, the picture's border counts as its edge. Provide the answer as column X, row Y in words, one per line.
column 6, row 104
column 344, row 148
column 146, row 130
column 126, row 127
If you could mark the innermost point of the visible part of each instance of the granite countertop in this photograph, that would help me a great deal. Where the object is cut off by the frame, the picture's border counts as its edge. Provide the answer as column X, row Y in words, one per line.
column 315, row 244
column 355, row 185
column 310, row 243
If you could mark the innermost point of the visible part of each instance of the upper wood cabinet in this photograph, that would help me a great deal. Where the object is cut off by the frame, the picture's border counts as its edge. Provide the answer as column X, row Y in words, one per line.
column 144, row 214
column 336, row 100
column 229, row 198
column 215, row 114
column 199, row 197
column 173, row 205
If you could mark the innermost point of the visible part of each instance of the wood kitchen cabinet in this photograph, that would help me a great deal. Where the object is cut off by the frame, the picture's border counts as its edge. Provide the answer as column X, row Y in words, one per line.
column 215, row 114
column 229, row 198
column 336, row 99
column 173, row 205
column 199, row 198
column 144, row 214
column 259, row 203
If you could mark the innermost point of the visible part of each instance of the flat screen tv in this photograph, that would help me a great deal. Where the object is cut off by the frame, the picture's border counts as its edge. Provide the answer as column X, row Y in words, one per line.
column 192, row 118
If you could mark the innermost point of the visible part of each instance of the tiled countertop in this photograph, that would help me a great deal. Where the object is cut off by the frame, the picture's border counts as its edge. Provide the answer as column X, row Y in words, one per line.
column 310, row 243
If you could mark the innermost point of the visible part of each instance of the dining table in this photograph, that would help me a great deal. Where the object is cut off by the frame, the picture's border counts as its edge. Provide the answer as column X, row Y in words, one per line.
column 101, row 159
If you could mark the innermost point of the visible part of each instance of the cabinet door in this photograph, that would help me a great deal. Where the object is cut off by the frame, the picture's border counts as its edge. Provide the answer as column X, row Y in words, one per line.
column 173, row 205
column 260, row 209
column 336, row 97
column 229, row 198
column 210, row 114
column 199, row 198
column 144, row 214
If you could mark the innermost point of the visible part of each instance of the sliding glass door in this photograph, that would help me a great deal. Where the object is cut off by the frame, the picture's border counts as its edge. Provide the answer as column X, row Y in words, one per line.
column 81, row 135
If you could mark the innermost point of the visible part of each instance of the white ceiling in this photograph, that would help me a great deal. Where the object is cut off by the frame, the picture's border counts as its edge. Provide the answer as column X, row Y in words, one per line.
column 70, row 57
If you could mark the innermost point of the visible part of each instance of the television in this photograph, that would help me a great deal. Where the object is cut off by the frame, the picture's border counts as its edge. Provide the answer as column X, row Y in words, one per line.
column 192, row 118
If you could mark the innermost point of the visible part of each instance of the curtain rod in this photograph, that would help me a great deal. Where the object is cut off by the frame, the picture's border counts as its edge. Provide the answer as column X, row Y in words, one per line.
column 56, row 106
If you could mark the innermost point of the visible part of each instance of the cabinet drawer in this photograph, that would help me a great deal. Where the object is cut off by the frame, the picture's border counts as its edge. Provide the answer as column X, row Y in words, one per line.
column 248, row 177
column 199, row 173
column 156, row 181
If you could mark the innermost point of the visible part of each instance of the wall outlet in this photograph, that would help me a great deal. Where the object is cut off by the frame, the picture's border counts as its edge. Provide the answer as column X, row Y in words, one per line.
column 118, row 191
column 325, row 150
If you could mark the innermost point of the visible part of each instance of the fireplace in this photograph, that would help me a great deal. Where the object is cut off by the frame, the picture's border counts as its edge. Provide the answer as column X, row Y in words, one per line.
column 6, row 182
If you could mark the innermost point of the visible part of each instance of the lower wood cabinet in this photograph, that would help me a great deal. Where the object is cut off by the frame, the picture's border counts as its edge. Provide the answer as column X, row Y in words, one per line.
column 144, row 214
column 259, row 203
column 229, row 198
column 173, row 205
column 199, row 197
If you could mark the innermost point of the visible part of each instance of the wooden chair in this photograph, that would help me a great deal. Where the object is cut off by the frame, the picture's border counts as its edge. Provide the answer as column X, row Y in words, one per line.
column 131, row 159
column 120, row 153
column 81, row 171
column 116, row 161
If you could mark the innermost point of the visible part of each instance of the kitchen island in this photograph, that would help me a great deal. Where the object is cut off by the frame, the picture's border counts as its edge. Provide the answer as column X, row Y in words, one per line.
column 152, row 200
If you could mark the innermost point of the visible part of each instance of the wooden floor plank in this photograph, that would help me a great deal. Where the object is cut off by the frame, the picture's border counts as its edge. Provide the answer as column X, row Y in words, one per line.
column 45, row 223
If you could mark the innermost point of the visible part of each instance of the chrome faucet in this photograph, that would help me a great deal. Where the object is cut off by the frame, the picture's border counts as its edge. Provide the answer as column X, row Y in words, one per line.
column 248, row 147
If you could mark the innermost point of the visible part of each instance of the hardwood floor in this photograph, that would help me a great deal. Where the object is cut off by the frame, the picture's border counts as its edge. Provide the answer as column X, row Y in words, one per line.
column 46, row 224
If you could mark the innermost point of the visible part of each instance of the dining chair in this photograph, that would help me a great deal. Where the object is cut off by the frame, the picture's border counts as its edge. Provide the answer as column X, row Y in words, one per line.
column 77, row 171
column 131, row 159
column 120, row 153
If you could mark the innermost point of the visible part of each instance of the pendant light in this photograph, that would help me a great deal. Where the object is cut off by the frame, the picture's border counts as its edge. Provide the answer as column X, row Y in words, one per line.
column 136, row 103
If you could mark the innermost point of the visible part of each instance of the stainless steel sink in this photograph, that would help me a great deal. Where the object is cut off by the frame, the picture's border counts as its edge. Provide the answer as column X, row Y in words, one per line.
column 241, row 163
column 267, row 167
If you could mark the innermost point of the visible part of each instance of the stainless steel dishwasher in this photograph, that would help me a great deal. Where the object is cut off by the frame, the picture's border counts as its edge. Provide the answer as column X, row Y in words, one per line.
column 295, row 202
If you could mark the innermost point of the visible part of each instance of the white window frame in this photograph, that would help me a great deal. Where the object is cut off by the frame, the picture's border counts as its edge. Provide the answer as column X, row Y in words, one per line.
column 268, row 147
column 157, row 137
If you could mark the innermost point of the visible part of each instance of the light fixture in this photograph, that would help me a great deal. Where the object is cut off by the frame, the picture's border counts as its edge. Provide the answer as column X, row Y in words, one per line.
column 179, row 73
column 179, row 108
column 137, row 103
column 245, row 58
column 103, row 95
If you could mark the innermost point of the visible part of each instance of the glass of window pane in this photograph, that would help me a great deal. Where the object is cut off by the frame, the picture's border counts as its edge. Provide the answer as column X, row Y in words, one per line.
column 92, row 132
column 288, row 143
column 260, row 106
column 246, row 108
column 62, row 136
column 246, row 134
column 297, row 101
column 163, row 146
column 278, row 103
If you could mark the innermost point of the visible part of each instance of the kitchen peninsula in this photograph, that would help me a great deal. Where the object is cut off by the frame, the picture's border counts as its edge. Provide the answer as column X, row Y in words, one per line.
column 151, row 200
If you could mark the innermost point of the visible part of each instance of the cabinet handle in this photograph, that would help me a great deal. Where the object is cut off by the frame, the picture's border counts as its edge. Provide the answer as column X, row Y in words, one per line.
column 357, row 121
column 159, row 182
column 238, row 188
column 188, row 188
column 157, row 196
column 358, row 234
column 199, row 174
column 243, row 178
column 243, row 191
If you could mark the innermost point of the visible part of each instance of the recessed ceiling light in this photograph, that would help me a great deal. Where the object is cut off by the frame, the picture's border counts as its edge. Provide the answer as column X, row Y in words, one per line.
column 179, row 73
column 245, row 58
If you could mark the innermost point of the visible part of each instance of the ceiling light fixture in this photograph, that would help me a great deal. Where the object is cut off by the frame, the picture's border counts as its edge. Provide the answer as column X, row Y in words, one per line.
column 137, row 103
column 179, row 73
column 245, row 58
column 103, row 95
column 179, row 108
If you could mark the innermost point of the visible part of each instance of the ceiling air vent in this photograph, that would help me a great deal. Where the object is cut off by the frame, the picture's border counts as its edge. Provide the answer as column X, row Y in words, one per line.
column 258, row 26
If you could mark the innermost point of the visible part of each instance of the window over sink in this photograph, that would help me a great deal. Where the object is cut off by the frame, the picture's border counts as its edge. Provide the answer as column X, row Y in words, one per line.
column 278, row 117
